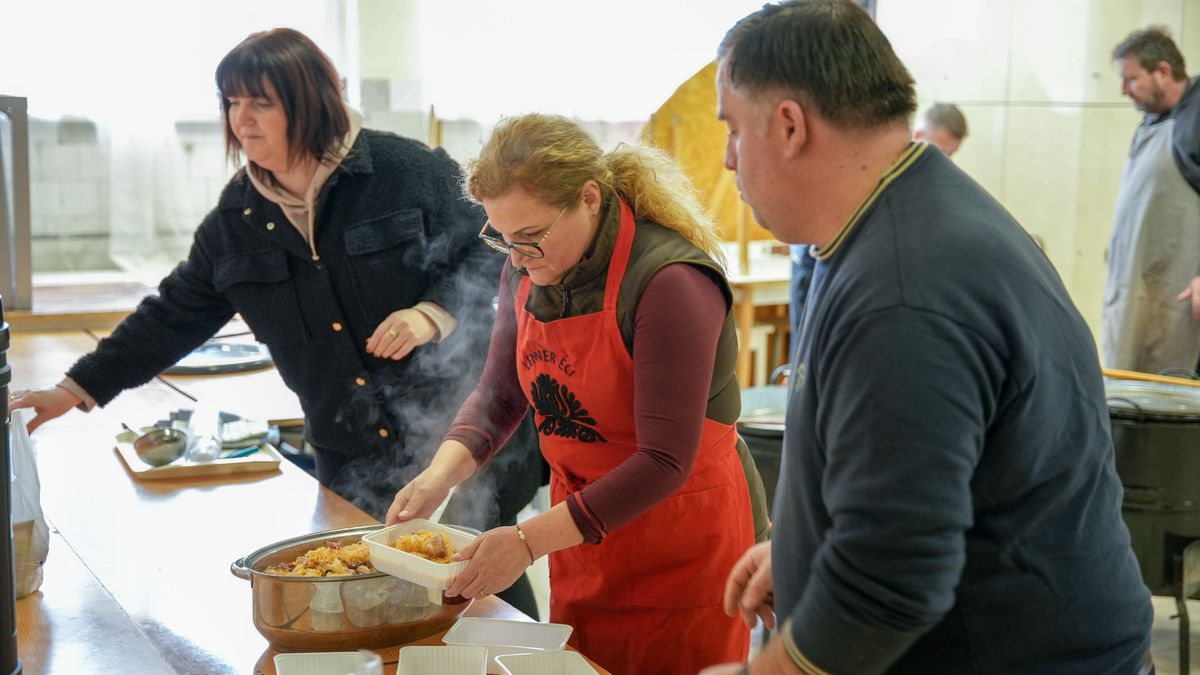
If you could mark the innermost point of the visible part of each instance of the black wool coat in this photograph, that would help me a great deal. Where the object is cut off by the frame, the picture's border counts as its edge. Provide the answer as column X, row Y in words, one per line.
column 392, row 229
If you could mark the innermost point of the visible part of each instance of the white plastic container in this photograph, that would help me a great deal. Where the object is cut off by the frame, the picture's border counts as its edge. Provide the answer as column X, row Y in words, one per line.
column 362, row 662
column 545, row 663
column 501, row 636
column 442, row 660
column 411, row 567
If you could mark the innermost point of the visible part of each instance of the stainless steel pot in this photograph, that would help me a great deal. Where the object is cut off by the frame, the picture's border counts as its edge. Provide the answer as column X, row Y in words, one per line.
column 338, row 613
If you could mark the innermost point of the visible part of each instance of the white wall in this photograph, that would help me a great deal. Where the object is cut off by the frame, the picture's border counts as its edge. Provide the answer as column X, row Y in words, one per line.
column 1049, row 130
column 71, row 189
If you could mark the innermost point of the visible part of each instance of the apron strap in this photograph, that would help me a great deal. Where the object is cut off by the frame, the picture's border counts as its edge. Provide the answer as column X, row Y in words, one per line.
column 620, row 257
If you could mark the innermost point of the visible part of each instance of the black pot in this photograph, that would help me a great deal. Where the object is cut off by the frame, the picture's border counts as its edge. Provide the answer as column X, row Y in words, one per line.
column 761, row 426
column 1156, row 437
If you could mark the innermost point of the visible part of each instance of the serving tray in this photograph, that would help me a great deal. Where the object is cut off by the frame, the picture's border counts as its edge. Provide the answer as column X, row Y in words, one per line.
column 266, row 459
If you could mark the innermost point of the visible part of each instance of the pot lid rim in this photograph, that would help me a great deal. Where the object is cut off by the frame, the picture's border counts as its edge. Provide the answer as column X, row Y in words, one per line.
column 1152, row 399
column 251, row 559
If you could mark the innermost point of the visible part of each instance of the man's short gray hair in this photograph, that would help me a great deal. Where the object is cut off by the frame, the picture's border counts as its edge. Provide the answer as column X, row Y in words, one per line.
column 948, row 117
column 1151, row 47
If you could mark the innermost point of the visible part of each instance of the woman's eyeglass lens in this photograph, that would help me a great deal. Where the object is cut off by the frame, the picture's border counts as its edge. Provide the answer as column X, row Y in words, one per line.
column 528, row 249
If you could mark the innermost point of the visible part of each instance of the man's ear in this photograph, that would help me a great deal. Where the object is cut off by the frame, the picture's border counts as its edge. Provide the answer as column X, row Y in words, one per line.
column 792, row 126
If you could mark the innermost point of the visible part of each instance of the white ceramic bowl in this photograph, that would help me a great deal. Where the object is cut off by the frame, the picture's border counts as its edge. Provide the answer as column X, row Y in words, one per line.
column 442, row 660
column 327, row 663
column 409, row 566
column 545, row 663
column 501, row 636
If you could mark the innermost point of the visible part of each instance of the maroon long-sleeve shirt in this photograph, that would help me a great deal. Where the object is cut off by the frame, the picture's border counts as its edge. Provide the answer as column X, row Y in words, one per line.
column 676, row 325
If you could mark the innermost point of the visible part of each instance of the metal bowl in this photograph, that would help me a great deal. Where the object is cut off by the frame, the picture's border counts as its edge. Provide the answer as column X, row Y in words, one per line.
column 338, row 613
column 159, row 447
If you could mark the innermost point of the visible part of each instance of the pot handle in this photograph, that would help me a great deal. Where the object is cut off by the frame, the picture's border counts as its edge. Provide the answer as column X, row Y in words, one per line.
column 239, row 569
column 1140, row 413
column 1184, row 373
column 781, row 374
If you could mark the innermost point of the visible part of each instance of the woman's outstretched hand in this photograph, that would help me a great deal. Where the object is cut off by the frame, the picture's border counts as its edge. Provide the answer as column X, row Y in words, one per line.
column 46, row 404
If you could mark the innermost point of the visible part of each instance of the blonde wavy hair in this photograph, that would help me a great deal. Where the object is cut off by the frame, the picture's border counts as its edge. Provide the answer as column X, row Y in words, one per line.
column 551, row 157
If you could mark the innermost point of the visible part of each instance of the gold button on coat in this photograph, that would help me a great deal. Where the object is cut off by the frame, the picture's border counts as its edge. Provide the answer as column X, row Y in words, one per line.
column 337, row 327
column 383, row 433
column 248, row 211
column 360, row 381
column 270, row 226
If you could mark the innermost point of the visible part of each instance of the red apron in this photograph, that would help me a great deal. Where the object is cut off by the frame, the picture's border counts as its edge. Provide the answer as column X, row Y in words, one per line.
column 647, row 599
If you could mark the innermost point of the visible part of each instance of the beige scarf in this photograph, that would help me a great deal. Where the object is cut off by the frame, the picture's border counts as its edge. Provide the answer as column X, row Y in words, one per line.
column 301, row 212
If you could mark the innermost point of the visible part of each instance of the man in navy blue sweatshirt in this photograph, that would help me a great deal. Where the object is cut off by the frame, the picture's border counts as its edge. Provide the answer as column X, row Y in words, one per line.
column 948, row 501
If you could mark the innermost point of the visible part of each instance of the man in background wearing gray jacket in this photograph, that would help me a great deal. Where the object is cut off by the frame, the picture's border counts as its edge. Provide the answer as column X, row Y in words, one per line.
column 1154, row 253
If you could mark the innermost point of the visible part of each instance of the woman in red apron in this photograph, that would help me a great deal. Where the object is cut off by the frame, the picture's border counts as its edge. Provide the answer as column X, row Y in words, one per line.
column 615, row 327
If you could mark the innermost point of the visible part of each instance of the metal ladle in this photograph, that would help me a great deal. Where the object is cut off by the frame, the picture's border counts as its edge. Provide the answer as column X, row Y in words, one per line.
column 160, row 446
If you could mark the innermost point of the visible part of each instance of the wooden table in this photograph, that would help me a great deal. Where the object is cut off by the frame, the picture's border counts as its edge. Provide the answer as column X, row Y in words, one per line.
column 137, row 579
column 490, row 607
column 750, row 291
column 258, row 394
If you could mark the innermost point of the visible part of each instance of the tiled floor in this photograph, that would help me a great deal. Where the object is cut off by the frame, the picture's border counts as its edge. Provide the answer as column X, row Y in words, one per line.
column 1164, row 638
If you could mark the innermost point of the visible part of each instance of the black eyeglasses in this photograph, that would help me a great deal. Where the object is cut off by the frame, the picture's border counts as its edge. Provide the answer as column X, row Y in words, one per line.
column 528, row 249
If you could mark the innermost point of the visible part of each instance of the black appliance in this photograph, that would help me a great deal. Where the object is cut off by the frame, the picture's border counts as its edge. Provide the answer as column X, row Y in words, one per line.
column 761, row 426
column 1156, row 438
column 9, row 663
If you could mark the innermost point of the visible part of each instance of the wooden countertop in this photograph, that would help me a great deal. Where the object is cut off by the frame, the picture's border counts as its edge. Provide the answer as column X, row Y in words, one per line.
column 137, row 579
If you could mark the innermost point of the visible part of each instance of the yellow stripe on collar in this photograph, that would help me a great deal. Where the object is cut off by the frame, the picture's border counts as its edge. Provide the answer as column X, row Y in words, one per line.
column 793, row 651
column 906, row 159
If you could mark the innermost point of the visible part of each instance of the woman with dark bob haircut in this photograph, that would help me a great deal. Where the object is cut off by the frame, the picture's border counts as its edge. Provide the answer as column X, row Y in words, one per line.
column 352, row 254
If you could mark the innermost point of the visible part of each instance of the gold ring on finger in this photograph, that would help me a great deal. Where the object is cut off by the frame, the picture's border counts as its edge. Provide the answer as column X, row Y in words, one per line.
column 391, row 332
